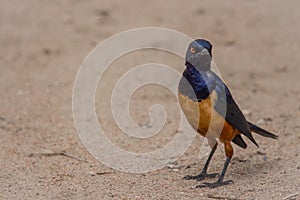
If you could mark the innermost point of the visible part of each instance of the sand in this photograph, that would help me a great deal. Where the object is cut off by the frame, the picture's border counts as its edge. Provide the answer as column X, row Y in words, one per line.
column 256, row 47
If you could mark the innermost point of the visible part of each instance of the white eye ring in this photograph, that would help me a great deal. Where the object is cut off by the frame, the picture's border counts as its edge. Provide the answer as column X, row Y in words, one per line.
column 193, row 50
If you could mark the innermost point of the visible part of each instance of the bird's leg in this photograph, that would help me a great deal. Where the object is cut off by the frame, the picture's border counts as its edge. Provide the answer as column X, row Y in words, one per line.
column 204, row 173
column 220, row 182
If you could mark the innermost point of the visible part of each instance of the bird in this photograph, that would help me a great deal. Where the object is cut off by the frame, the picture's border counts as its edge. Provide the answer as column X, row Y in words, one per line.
column 212, row 111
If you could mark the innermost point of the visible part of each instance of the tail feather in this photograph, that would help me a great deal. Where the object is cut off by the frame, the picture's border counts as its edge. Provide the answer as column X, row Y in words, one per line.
column 261, row 131
column 239, row 141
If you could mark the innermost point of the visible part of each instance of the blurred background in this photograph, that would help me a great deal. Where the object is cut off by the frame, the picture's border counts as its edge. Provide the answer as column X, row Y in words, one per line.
column 42, row 44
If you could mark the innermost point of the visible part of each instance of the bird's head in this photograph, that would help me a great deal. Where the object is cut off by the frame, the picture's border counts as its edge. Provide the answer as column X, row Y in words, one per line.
column 199, row 54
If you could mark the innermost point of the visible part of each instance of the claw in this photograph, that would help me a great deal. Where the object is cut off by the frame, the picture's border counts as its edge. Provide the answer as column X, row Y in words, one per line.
column 215, row 184
column 201, row 176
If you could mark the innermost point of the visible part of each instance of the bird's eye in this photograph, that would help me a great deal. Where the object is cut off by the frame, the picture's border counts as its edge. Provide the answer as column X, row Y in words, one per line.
column 193, row 50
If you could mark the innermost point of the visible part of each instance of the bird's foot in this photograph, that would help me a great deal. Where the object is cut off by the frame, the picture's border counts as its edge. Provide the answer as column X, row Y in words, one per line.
column 201, row 176
column 215, row 184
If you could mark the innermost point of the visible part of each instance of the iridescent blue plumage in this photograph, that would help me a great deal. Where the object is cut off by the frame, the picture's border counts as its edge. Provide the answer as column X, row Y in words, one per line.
column 195, row 84
column 199, row 84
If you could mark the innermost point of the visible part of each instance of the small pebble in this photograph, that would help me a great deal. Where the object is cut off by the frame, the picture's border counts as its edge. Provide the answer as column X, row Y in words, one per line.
column 92, row 173
column 261, row 152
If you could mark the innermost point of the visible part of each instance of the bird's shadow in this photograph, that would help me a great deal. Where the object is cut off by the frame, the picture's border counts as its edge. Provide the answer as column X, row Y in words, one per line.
column 250, row 167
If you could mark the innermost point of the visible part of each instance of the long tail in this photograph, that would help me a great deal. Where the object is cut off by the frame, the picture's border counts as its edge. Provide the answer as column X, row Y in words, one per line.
column 261, row 131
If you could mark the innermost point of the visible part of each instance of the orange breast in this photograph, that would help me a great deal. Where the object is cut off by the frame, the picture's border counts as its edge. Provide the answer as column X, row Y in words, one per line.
column 205, row 119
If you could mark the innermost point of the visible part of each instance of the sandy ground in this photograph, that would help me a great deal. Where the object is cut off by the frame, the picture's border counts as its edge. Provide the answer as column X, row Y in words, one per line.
column 256, row 46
